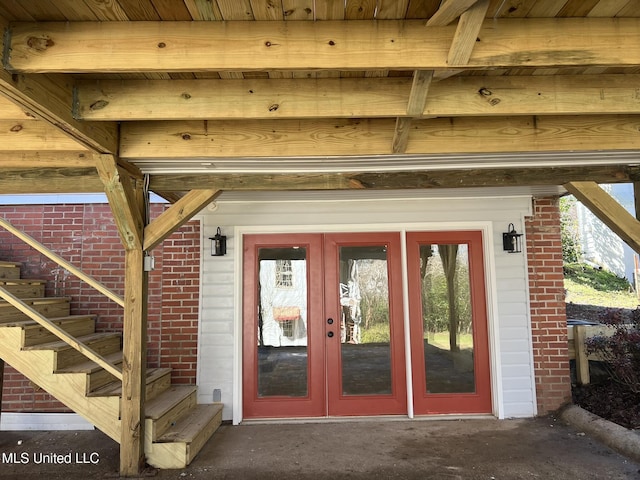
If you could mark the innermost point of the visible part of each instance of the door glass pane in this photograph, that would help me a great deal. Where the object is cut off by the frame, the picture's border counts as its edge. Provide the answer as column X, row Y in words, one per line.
column 446, row 318
column 364, row 326
column 282, row 322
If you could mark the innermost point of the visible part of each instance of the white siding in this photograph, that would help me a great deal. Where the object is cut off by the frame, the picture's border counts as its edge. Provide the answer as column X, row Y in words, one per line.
column 507, row 291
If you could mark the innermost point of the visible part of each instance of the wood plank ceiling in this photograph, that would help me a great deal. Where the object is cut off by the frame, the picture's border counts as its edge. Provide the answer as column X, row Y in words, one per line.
column 319, row 94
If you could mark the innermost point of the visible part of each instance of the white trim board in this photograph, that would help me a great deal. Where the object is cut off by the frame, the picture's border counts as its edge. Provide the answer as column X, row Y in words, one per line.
column 20, row 421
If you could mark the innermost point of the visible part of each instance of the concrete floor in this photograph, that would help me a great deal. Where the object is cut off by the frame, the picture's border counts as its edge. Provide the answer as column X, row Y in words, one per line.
column 544, row 448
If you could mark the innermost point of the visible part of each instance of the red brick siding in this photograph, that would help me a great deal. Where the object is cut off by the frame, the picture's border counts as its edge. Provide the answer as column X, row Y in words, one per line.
column 86, row 236
column 548, row 314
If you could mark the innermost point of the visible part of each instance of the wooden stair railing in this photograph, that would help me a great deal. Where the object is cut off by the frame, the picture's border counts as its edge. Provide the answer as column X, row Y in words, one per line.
column 43, row 321
column 176, row 426
column 60, row 333
column 61, row 261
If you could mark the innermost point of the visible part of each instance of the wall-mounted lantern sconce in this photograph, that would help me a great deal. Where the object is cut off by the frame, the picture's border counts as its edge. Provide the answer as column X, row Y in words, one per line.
column 512, row 240
column 218, row 244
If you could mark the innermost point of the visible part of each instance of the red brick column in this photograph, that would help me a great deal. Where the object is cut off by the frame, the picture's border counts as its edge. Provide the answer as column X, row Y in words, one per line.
column 548, row 313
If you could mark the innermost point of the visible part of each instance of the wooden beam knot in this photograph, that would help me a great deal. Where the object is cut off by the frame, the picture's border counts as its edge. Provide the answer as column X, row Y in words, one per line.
column 98, row 105
column 40, row 44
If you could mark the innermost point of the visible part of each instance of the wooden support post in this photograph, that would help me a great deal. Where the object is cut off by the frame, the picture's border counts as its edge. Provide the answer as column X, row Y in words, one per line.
column 636, row 198
column 134, row 365
column 582, row 359
column 1, row 383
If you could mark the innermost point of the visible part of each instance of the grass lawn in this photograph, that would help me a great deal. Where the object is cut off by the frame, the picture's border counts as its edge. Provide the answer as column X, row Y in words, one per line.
column 586, row 285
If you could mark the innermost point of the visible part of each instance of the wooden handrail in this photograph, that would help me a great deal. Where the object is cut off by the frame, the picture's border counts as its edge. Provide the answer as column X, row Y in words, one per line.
column 62, row 262
column 60, row 333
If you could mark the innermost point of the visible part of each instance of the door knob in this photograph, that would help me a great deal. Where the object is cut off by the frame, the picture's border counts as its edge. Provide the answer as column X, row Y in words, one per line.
column 330, row 321
column 330, row 334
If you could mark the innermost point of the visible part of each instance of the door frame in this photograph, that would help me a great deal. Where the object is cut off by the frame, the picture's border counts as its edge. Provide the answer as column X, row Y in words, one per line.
column 479, row 400
column 489, row 247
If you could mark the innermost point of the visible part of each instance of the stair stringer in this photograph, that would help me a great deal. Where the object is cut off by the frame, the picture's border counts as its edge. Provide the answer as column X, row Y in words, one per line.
column 68, row 388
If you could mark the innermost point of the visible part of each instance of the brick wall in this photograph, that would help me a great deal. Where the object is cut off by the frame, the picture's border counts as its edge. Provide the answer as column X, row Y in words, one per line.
column 548, row 314
column 86, row 236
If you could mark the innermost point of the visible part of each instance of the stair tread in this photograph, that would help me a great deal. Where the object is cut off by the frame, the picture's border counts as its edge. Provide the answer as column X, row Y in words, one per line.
column 33, row 323
column 115, row 388
column 38, row 300
column 188, row 427
column 60, row 345
column 168, row 399
column 90, row 366
column 21, row 281
column 7, row 263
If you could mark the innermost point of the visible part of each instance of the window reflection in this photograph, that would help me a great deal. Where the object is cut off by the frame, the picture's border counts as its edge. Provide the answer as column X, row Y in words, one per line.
column 365, row 328
column 282, row 322
column 447, row 319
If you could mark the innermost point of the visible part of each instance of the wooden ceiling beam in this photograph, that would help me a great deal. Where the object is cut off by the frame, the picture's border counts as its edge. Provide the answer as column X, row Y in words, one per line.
column 608, row 210
column 49, row 180
column 351, row 137
column 46, row 159
column 85, row 180
column 84, row 47
column 130, row 100
column 397, row 180
column 27, row 135
column 51, row 98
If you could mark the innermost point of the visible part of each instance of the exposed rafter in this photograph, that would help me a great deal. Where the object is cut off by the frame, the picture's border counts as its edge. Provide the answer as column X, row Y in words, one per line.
column 20, row 159
column 51, row 98
column 128, row 100
column 291, row 138
column 334, row 45
column 397, row 180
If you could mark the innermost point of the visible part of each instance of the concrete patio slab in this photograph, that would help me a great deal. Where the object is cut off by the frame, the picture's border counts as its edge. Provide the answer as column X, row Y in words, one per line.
column 489, row 449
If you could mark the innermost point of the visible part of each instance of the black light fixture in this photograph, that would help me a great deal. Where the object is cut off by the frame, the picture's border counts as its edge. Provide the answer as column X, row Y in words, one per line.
column 218, row 244
column 512, row 240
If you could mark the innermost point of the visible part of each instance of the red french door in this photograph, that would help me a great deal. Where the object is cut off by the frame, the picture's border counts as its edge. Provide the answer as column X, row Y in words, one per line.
column 448, row 323
column 323, row 325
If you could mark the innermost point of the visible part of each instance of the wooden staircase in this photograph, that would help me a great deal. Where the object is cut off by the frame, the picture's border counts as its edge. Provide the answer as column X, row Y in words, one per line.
column 176, row 427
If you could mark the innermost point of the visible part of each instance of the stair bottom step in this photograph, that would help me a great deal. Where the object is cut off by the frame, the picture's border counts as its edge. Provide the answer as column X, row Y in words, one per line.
column 178, row 446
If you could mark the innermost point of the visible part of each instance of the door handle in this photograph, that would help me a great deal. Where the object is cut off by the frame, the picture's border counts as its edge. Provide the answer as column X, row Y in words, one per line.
column 330, row 334
column 330, row 321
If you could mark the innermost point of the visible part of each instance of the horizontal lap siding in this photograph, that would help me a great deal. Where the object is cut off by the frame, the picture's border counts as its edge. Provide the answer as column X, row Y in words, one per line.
column 218, row 311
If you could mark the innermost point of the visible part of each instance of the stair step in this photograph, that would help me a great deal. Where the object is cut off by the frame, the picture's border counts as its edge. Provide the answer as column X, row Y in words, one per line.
column 158, row 380
column 97, row 377
column 24, row 288
column 102, row 343
column 75, row 325
column 177, row 447
column 50, row 307
column 165, row 410
column 9, row 269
